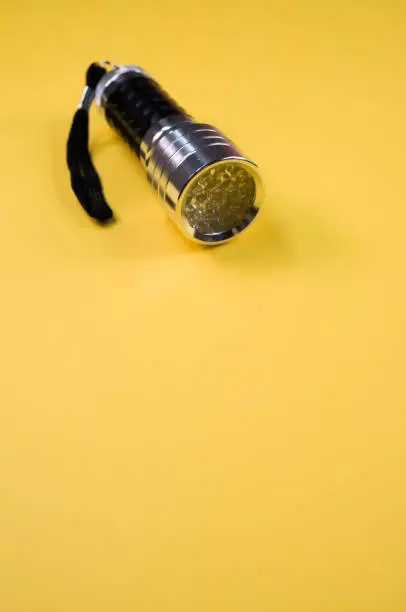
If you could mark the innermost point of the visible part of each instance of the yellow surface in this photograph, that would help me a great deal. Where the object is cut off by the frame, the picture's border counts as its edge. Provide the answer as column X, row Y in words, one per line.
column 190, row 430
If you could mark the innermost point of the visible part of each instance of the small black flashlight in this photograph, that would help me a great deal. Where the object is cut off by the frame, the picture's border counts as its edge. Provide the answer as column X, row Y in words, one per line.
column 209, row 188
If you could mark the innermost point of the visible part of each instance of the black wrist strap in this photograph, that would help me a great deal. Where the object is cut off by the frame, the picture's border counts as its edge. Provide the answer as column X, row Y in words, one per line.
column 85, row 180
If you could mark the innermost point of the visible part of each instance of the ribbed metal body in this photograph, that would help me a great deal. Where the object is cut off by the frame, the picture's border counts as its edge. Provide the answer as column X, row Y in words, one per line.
column 176, row 152
column 175, row 149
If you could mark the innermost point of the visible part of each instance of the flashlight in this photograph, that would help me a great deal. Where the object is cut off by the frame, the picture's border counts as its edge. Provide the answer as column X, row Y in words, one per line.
column 209, row 188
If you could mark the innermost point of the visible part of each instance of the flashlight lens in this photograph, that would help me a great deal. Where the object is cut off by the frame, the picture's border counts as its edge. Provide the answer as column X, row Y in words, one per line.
column 219, row 198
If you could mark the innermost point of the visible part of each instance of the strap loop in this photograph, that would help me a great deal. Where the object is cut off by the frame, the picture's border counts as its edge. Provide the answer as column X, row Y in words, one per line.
column 85, row 180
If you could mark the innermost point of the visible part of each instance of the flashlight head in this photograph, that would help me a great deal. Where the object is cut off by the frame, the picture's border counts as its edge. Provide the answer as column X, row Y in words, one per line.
column 220, row 201
column 210, row 189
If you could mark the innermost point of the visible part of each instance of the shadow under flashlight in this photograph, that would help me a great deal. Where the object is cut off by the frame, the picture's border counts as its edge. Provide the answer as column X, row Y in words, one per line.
column 210, row 189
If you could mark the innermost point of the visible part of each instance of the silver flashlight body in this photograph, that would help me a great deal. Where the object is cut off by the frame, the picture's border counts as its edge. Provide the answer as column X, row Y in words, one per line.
column 178, row 153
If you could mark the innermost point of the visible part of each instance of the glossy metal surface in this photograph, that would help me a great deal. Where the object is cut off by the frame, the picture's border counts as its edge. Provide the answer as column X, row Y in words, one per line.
column 175, row 151
column 114, row 77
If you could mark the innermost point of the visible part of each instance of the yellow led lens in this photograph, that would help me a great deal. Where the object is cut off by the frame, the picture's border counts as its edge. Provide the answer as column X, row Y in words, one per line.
column 219, row 198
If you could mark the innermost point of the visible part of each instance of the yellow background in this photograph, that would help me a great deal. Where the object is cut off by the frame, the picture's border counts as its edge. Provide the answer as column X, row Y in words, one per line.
column 190, row 430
